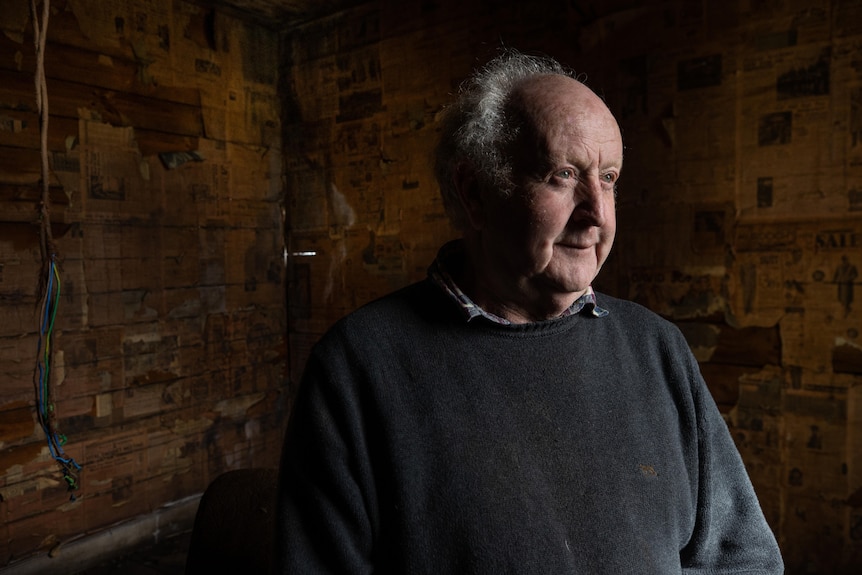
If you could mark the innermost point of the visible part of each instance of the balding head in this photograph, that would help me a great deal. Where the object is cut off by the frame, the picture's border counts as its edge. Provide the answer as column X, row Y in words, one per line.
column 477, row 129
column 540, row 220
column 548, row 107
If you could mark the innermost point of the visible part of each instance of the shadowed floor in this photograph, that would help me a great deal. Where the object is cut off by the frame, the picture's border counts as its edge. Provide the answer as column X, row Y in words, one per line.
column 165, row 558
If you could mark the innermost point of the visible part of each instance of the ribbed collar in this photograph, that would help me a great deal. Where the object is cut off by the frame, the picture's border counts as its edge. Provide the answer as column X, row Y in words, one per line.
column 453, row 252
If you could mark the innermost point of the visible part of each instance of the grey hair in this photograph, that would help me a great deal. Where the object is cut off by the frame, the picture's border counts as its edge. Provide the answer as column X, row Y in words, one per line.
column 477, row 129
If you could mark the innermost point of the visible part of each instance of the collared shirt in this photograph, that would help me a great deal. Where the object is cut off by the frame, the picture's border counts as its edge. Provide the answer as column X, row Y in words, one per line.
column 453, row 251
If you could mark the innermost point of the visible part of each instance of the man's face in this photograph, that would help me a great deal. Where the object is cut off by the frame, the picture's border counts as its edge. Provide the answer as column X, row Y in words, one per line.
column 554, row 232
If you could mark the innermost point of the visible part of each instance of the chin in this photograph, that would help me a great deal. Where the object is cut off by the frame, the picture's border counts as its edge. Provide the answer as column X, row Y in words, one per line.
column 574, row 283
column 570, row 286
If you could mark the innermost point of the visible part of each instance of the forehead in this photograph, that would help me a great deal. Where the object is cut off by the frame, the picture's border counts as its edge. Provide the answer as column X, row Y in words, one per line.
column 556, row 107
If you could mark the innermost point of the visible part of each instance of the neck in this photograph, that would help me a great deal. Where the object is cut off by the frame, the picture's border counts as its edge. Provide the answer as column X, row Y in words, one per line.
column 518, row 299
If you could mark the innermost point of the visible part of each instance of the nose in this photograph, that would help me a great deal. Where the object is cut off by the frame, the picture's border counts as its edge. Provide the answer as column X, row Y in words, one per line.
column 593, row 201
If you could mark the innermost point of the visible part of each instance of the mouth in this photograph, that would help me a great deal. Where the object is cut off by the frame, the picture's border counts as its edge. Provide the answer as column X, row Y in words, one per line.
column 580, row 246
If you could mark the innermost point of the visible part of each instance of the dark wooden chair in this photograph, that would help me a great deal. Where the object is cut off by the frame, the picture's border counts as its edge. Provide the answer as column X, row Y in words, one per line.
column 234, row 525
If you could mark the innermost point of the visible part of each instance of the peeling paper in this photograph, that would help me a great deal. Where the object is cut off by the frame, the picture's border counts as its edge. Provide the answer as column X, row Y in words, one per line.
column 341, row 213
column 342, row 216
column 235, row 408
column 191, row 427
column 839, row 341
column 14, row 18
column 336, row 260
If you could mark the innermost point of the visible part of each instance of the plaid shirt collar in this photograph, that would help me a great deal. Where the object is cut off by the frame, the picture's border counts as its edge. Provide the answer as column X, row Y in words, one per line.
column 453, row 251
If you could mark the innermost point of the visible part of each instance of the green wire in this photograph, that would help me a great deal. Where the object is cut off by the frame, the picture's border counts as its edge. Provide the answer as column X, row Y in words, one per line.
column 46, row 360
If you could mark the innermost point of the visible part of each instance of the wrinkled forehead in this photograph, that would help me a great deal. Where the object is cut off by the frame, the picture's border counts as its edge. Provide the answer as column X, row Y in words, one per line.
column 551, row 108
column 560, row 99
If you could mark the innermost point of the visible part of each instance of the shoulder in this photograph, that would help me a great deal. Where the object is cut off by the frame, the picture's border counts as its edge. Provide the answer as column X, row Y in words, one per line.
column 415, row 302
column 629, row 313
column 645, row 331
column 414, row 308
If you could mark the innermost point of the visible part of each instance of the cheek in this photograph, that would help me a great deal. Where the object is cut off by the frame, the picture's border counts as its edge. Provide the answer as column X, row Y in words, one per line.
column 610, row 228
column 608, row 233
column 549, row 220
column 526, row 222
column 543, row 233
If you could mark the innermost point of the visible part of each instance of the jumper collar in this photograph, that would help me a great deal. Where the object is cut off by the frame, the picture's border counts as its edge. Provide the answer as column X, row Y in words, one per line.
column 439, row 274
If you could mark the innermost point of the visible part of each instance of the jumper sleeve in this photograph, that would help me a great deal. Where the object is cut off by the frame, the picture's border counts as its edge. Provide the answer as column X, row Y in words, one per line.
column 325, row 491
column 731, row 534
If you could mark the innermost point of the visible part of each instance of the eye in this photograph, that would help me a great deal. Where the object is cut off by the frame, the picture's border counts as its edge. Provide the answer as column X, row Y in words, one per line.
column 609, row 178
column 566, row 173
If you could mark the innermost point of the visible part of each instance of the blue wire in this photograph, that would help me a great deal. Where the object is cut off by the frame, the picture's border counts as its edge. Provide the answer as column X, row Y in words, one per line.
column 48, row 297
column 54, row 444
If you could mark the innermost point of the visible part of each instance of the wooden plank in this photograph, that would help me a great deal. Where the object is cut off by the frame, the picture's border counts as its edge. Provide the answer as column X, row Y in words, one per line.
column 30, row 195
column 847, row 358
column 112, row 72
column 20, row 166
column 19, row 202
column 116, row 108
column 20, row 129
column 151, row 142
column 115, row 70
column 754, row 346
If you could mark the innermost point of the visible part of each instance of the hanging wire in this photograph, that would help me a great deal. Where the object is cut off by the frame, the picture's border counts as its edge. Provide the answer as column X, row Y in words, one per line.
column 40, row 34
column 49, row 283
column 45, row 408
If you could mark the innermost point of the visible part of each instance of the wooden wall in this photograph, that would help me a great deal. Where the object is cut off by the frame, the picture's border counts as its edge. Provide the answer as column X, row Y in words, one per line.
column 740, row 205
column 740, row 216
column 168, row 349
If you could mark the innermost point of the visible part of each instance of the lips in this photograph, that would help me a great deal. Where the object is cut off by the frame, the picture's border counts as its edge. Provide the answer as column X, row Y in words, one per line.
column 575, row 244
column 579, row 239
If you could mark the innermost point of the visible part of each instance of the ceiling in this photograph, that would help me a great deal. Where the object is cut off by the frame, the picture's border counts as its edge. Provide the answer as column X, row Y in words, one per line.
column 283, row 14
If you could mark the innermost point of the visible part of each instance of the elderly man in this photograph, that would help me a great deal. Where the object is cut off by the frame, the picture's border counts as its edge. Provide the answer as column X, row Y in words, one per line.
column 500, row 417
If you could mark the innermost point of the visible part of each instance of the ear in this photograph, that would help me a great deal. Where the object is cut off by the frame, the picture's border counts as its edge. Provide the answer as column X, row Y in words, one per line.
column 470, row 195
